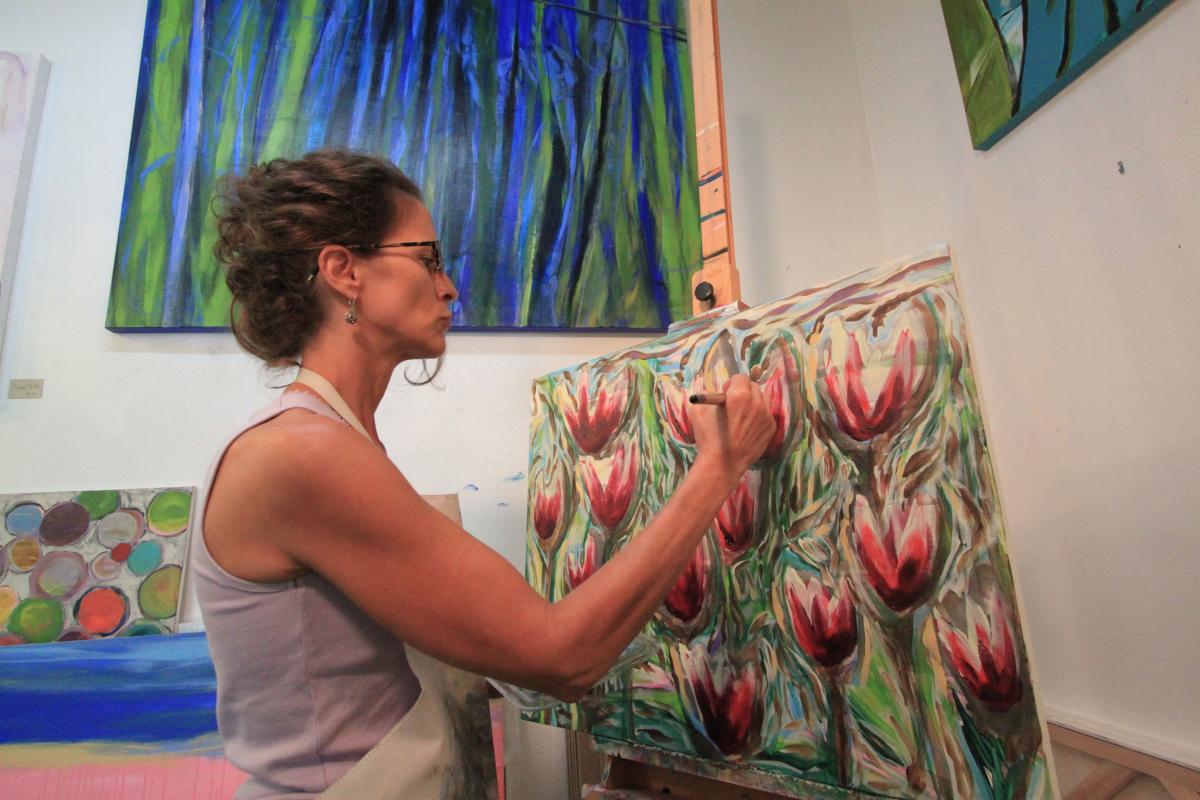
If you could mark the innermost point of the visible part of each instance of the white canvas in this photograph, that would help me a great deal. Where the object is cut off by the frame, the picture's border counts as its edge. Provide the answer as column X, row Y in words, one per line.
column 22, row 90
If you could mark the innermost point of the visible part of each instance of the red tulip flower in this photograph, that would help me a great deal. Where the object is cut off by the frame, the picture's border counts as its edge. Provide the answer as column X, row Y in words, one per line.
column 596, row 411
column 985, row 657
column 780, row 390
column 864, row 405
column 549, row 503
column 579, row 569
column 825, row 626
column 736, row 520
column 610, row 483
column 673, row 405
column 898, row 561
column 547, row 512
column 687, row 595
column 723, row 701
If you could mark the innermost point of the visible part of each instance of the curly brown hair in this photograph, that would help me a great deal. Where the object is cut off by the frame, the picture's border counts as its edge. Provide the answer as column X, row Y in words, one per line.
column 271, row 224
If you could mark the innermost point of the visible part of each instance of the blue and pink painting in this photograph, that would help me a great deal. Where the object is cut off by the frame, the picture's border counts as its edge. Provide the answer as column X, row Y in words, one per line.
column 112, row 719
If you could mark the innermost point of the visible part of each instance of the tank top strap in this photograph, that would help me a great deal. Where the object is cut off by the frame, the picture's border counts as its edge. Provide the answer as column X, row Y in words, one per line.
column 289, row 400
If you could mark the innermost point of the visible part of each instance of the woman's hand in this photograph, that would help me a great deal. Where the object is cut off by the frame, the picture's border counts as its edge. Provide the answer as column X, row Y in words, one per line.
column 736, row 434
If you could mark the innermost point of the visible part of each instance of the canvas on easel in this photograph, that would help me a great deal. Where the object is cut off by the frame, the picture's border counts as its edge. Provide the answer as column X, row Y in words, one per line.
column 849, row 624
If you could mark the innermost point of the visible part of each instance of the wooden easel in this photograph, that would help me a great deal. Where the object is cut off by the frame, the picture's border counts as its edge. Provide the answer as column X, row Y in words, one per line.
column 716, row 288
column 717, row 269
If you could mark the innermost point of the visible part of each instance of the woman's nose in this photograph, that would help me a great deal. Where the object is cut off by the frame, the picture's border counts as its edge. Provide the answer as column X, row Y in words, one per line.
column 446, row 289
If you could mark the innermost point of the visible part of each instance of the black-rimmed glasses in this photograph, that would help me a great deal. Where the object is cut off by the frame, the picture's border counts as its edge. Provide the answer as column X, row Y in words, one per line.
column 434, row 264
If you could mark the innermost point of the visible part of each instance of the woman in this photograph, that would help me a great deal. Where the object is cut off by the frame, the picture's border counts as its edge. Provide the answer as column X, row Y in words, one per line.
column 316, row 561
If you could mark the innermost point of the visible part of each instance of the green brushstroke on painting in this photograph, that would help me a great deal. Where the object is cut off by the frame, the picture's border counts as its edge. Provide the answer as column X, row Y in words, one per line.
column 554, row 145
column 982, row 66
column 99, row 503
column 1012, row 56
column 169, row 511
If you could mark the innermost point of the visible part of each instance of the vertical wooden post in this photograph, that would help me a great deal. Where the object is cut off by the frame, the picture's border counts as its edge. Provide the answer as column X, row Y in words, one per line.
column 716, row 221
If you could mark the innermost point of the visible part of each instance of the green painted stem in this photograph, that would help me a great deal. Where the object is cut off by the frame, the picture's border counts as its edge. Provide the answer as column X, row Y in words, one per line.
column 837, row 726
column 901, row 641
column 1017, row 778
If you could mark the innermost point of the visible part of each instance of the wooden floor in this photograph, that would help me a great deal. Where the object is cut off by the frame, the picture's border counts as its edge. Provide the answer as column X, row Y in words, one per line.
column 1092, row 769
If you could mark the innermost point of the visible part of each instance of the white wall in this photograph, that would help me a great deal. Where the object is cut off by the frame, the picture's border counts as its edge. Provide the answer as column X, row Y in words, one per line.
column 1081, row 286
column 149, row 410
column 805, row 210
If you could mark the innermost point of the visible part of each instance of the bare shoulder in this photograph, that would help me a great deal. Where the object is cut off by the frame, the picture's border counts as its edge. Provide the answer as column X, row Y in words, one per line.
column 273, row 481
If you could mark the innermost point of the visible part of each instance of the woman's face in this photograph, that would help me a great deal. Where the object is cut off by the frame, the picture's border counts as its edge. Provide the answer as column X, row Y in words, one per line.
column 405, row 295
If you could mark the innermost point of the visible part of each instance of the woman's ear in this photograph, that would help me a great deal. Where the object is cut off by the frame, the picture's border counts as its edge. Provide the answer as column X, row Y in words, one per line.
column 339, row 268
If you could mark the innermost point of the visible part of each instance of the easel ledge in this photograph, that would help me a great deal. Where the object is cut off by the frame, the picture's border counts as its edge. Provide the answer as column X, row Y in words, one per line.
column 621, row 773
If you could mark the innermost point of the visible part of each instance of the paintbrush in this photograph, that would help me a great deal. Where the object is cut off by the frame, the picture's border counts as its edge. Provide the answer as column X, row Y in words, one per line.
column 718, row 398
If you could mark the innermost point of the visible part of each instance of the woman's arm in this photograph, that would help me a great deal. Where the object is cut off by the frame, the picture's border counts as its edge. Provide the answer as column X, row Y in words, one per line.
column 335, row 504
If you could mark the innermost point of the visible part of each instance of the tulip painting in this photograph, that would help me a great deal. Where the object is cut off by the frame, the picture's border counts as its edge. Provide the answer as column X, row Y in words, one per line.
column 548, row 506
column 547, row 512
column 984, row 655
column 687, row 595
column 690, row 599
column 736, row 523
column 870, row 395
column 825, row 625
column 898, row 553
column 981, row 646
column 832, row 634
column 722, row 699
column 673, row 402
column 582, row 564
column 610, row 484
column 595, row 408
column 780, row 388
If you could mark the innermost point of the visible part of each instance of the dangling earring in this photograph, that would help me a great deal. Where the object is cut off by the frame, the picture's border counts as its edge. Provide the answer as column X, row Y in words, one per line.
column 352, row 315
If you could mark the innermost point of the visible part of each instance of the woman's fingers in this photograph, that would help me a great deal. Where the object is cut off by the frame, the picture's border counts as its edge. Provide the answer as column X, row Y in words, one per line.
column 748, row 423
column 738, row 431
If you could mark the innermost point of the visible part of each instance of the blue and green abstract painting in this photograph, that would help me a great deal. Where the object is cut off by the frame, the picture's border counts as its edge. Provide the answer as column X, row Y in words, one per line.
column 553, row 141
column 1012, row 56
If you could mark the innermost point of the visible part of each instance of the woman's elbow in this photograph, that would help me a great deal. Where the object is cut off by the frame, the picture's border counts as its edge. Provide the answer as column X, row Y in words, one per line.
column 574, row 674
column 562, row 685
column 571, row 666
column 569, row 693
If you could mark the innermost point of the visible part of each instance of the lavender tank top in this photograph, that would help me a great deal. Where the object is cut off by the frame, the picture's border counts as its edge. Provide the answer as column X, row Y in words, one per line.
column 306, row 682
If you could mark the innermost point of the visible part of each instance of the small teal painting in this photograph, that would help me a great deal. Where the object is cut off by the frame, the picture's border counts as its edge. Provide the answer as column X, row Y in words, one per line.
column 1012, row 56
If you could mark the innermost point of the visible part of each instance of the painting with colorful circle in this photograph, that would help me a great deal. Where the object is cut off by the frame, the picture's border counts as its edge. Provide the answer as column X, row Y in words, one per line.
column 91, row 564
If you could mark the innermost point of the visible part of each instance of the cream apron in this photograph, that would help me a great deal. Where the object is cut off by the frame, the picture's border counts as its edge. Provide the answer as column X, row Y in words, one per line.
column 442, row 749
column 422, row 757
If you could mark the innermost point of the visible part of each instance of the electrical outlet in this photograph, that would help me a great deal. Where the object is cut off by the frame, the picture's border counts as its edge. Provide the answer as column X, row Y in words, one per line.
column 25, row 388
